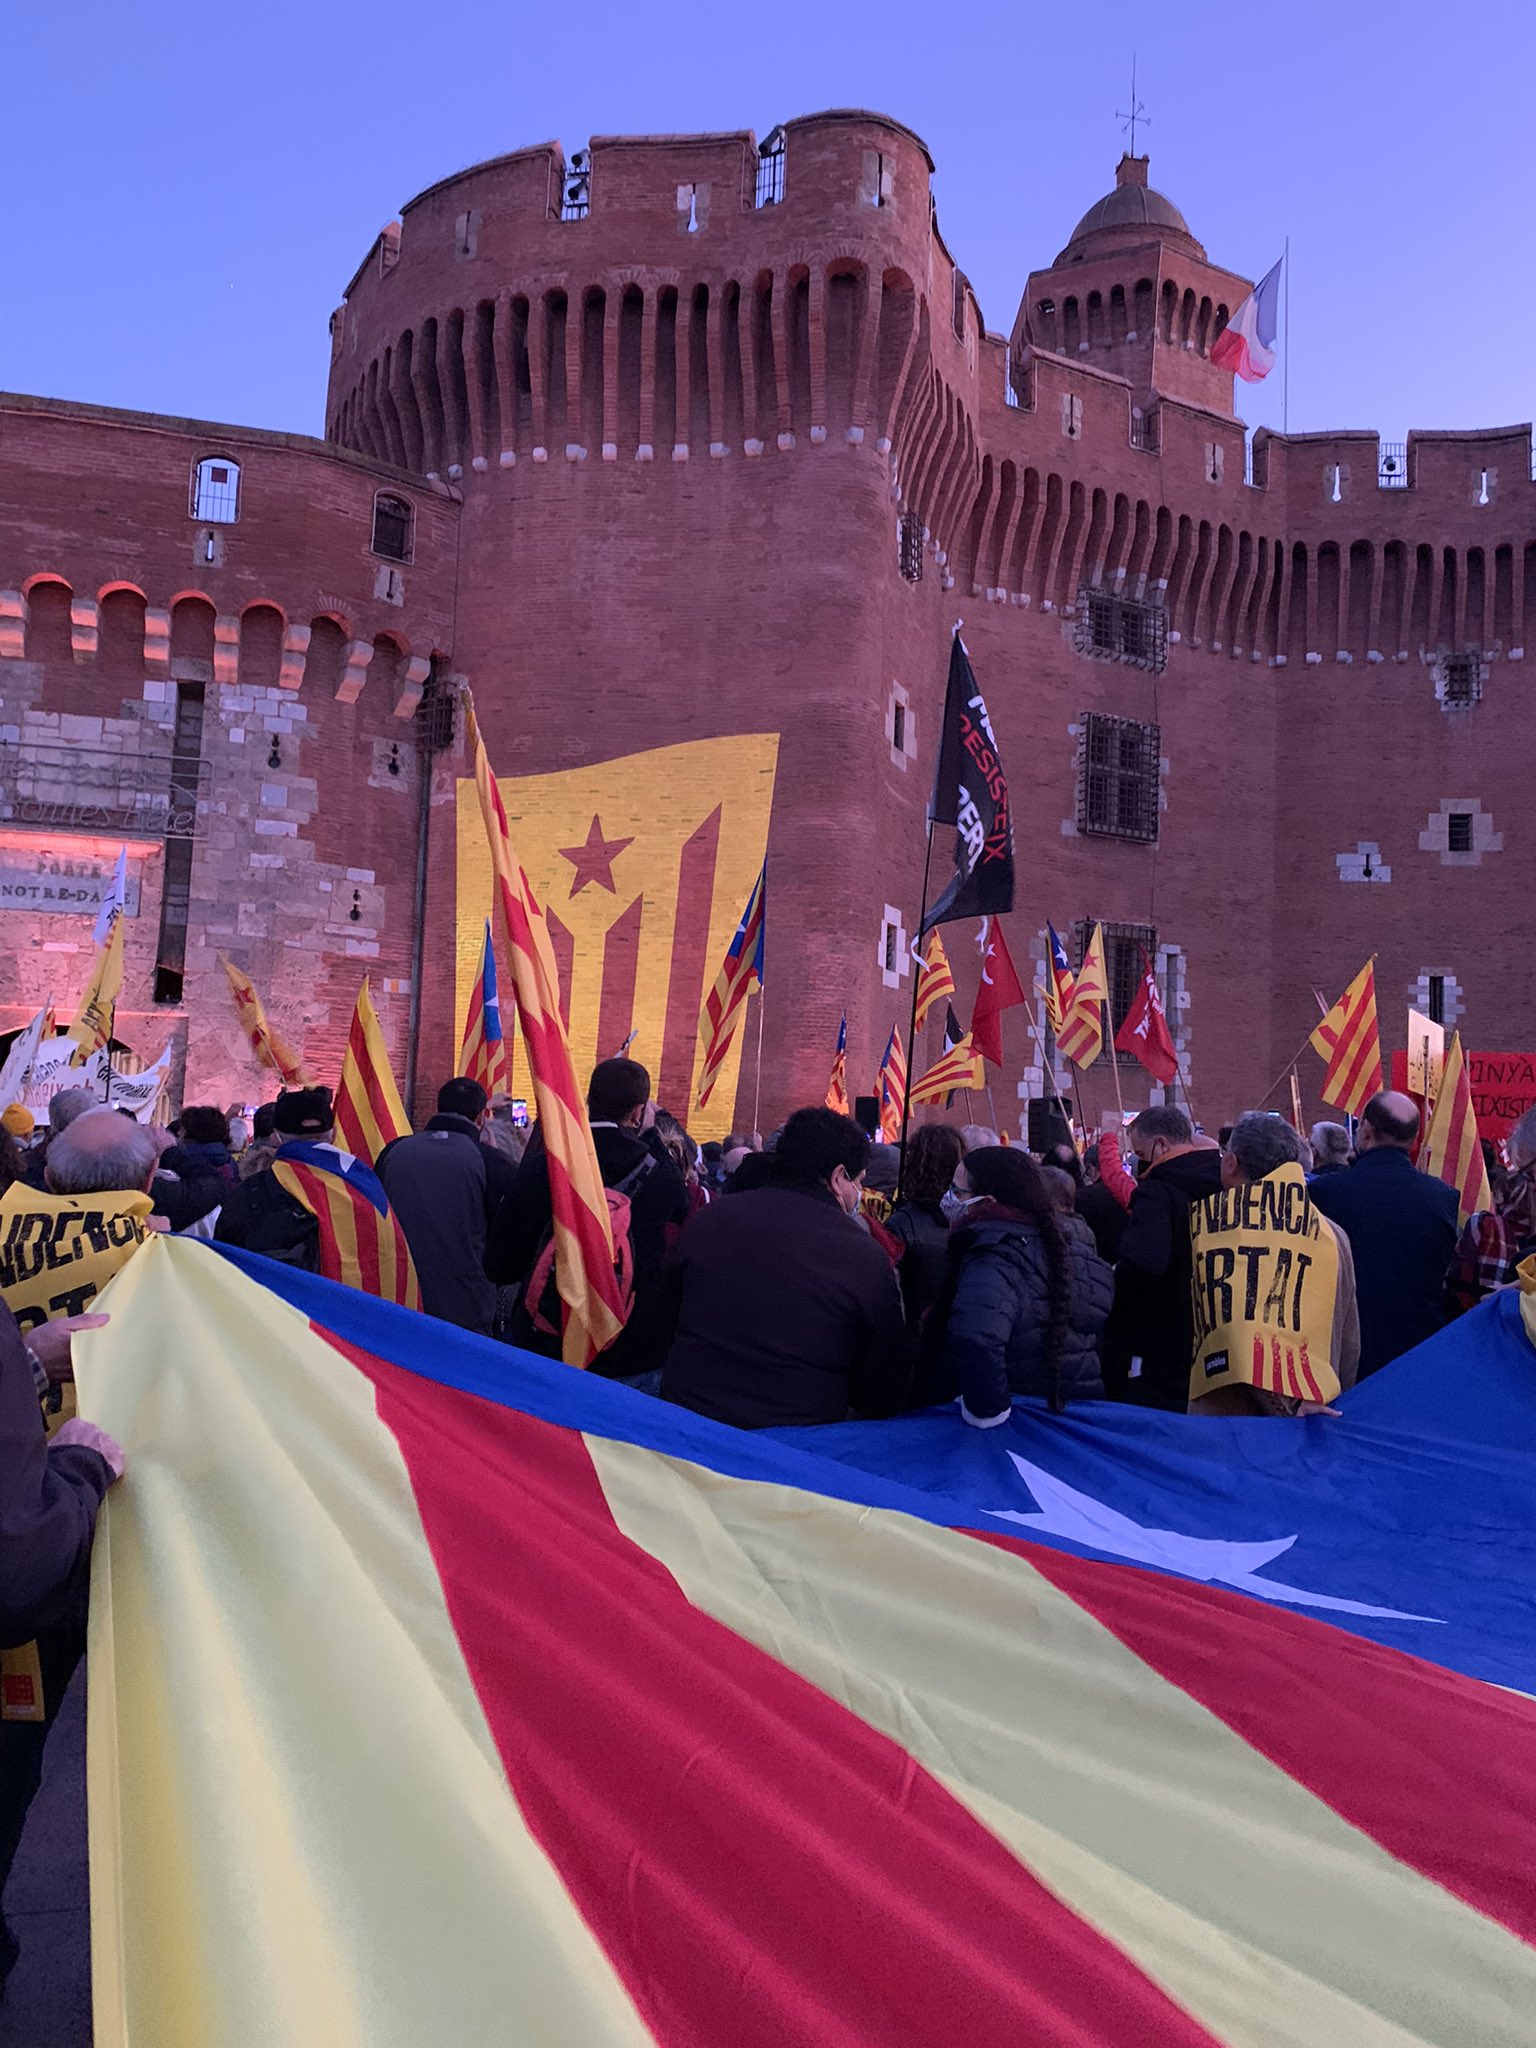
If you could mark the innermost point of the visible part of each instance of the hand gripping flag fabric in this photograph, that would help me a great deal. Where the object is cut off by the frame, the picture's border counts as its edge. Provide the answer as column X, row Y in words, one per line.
column 483, row 1057
column 1145, row 1029
column 959, row 1066
column 369, row 1112
column 1081, row 1036
column 583, row 1237
column 1246, row 345
column 1452, row 1148
column 999, row 989
column 891, row 1088
column 361, row 1242
column 970, row 792
column 1349, row 1039
column 440, row 1694
column 935, row 982
column 741, row 968
column 837, row 1082
column 270, row 1049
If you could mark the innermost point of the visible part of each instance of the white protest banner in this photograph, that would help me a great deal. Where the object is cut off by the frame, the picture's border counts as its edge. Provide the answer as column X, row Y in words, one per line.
column 138, row 1093
column 18, row 1061
column 51, row 1071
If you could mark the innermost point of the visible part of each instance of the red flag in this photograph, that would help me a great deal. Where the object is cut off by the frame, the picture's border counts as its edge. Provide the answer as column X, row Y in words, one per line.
column 1000, row 990
column 1145, row 1030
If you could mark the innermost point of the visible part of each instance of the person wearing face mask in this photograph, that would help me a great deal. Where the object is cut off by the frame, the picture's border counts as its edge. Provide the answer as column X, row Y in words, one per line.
column 1024, row 1296
column 1152, row 1320
column 782, row 1308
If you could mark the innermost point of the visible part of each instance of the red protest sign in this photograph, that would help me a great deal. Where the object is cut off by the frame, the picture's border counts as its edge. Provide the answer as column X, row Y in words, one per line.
column 1503, row 1087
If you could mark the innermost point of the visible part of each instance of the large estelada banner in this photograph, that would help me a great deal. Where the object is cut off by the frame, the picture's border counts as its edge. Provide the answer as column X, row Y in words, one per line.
column 1265, row 1280
column 1503, row 1087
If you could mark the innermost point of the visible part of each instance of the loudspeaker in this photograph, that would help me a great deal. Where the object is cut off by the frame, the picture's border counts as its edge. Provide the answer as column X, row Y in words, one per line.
column 1047, row 1125
column 866, row 1114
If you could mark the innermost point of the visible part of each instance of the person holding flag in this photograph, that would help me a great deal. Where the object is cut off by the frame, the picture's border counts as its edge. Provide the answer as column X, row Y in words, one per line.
column 484, row 1056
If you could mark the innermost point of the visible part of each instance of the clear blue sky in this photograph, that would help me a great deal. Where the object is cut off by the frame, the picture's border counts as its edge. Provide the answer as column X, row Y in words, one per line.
column 191, row 185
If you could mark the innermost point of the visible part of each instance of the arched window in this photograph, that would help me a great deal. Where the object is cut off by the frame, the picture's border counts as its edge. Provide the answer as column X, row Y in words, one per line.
column 216, row 490
column 393, row 524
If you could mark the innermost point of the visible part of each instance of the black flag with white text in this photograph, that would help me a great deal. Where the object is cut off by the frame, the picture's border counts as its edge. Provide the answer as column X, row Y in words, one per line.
column 970, row 793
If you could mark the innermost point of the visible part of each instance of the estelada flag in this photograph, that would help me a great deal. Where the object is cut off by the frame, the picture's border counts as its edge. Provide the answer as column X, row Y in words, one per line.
column 1059, row 982
column 837, row 1082
column 958, row 1066
column 1145, row 1032
column 272, row 1050
column 1081, row 1036
column 583, row 1236
column 1349, row 1039
column 464, row 1699
column 970, row 792
column 92, row 1027
column 1452, row 1148
column 483, row 1057
column 369, row 1111
column 361, row 1242
column 934, row 980
column 999, row 989
column 740, row 971
column 891, row 1088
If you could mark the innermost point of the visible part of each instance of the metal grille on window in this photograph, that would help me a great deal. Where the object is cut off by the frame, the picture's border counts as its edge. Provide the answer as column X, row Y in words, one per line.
column 1461, row 679
column 1458, row 832
column 1437, row 998
column 1144, row 430
column 770, row 170
column 1117, row 792
column 392, row 523
column 216, row 491
column 1019, row 389
column 1111, row 628
column 909, row 546
column 576, row 186
column 1392, row 466
column 1126, row 947
column 436, row 716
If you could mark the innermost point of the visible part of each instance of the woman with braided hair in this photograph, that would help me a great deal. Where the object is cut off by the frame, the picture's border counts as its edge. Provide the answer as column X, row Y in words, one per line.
column 1023, row 1301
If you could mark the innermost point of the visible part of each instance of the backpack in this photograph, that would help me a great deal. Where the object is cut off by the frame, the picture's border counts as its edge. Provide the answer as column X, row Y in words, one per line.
column 541, row 1297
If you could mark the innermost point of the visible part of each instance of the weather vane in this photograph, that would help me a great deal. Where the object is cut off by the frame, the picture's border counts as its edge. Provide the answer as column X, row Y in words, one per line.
column 1137, row 114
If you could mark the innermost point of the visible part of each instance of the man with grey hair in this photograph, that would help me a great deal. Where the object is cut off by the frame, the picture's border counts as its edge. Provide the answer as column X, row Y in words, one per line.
column 63, row 1108
column 1494, row 1241
column 1258, row 1144
column 58, row 1247
column 1331, row 1149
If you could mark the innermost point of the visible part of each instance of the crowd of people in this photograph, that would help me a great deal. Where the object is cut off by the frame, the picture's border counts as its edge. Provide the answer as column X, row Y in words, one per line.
column 801, row 1280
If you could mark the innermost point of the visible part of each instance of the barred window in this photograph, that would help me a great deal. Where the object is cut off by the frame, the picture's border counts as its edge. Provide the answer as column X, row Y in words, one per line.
column 909, row 546
column 1117, row 791
column 1461, row 679
column 576, row 186
column 216, row 490
column 1458, row 832
column 1126, row 948
column 770, row 170
column 393, row 520
column 1113, row 628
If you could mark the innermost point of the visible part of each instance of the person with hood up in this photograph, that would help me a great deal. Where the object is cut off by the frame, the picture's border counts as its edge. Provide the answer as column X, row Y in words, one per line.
column 1153, row 1319
column 1023, row 1300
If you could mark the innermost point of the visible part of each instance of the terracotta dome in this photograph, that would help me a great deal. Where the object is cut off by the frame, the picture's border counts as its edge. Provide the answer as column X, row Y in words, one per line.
column 1130, row 214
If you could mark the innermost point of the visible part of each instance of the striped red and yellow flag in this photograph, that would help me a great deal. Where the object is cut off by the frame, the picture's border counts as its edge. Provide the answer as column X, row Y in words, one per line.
column 892, row 1089
column 961, row 1066
column 484, row 1056
column 369, row 1112
column 1081, row 1036
column 935, row 983
column 271, row 1050
column 1349, row 1039
column 361, row 1242
column 1452, row 1148
column 837, row 1080
column 584, row 1271
column 741, row 970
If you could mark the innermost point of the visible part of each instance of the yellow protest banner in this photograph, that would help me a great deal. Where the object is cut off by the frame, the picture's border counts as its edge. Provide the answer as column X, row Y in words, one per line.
column 1265, row 1282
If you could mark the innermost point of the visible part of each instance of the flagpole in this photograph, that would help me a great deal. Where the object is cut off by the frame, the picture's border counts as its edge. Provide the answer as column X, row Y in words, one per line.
column 757, row 1092
column 107, row 1070
column 1045, row 1062
column 1285, row 367
column 917, row 982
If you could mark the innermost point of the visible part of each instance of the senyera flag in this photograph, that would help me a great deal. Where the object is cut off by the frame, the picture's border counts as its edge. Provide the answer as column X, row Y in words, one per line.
column 1452, row 1148
column 1246, row 345
column 483, row 1056
column 440, row 1694
column 891, row 1088
column 583, row 1236
column 935, row 981
column 369, row 1111
column 958, row 1066
column 1349, row 1039
column 741, row 969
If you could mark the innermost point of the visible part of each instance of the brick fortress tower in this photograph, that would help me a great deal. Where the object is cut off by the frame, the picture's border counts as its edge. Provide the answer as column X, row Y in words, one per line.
column 688, row 453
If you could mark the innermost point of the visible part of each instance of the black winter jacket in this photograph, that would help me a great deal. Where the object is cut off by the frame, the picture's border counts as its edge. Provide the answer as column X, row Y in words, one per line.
column 1153, row 1319
column 924, row 1232
column 986, row 1335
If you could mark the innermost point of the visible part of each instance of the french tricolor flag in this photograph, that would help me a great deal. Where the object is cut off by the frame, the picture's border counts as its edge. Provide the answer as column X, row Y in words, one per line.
column 1246, row 345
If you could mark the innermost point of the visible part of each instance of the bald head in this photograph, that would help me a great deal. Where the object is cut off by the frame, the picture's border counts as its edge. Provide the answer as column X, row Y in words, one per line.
column 1389, row 1119
column 101, row 1153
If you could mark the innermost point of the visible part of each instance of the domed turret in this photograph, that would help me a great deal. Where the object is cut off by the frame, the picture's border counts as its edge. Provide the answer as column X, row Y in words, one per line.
column 1128, row 217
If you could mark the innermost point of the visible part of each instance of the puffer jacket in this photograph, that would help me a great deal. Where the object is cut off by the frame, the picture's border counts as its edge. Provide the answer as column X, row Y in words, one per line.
column 986, row 1333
